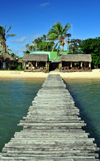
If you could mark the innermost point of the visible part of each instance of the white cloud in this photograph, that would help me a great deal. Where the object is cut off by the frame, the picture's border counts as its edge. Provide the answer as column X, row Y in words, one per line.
column 21, row 40
column 44, row 4
column 31, row 38
column 36, row 36
column 19, row 50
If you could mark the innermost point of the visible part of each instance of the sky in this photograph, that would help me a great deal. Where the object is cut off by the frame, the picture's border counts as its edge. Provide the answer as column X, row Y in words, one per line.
column 33, row 18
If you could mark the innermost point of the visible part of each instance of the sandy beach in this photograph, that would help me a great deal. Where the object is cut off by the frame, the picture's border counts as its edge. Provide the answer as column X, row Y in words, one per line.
column 95, row 73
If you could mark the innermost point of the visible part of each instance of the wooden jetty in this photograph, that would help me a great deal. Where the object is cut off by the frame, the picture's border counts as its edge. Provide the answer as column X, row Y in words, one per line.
column 52, row 130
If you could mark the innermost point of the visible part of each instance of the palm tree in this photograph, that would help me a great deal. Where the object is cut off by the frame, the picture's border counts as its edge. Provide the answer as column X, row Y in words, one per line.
column 3, row 37
column 57, row 32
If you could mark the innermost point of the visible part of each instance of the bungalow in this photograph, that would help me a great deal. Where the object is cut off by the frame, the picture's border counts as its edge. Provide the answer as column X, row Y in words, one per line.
column 38, row 57
column 43, row 59
column 35, row 60
column 5, row 61
column 76, row 61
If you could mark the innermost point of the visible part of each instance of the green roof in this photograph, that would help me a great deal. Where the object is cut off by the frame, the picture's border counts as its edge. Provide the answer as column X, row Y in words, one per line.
column 52, row 55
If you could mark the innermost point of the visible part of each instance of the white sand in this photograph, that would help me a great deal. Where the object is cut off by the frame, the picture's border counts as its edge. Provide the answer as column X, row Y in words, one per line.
column 20, row 74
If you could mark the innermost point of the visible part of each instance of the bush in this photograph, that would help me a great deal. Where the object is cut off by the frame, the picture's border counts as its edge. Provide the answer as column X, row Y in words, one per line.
column 16, row 66
column 19, row 67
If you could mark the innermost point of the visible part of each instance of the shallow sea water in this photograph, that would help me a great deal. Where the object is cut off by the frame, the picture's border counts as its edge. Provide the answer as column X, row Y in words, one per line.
column 16, row 96
column 86, row 94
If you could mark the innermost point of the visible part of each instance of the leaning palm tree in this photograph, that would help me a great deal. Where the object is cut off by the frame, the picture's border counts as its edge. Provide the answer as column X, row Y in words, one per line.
column 57, row 32
column 3, row 37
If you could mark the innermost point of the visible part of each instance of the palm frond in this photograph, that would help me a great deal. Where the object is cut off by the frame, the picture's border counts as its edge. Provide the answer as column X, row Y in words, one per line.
column 10, row 35
column 50, row 40
column 8, row 29
column 66, row 29
column 59, row 28
column 57, row 32
column 68, row 35
column 2, row 30
column 52, row 31
column 9, row 50
column 3, row 36
column 52, row 35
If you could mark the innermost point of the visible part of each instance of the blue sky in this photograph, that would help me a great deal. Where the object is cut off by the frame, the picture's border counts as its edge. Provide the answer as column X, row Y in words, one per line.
column 33, row 18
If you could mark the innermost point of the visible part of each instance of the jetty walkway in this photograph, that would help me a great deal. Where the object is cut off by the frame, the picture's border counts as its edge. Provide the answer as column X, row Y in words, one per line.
column 52, row 130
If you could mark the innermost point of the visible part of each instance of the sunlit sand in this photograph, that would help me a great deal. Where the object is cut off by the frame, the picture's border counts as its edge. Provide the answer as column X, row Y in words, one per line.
column 21, row 74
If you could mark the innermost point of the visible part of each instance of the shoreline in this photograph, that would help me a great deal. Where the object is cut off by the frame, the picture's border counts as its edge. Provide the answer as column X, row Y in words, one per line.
column 40, row 75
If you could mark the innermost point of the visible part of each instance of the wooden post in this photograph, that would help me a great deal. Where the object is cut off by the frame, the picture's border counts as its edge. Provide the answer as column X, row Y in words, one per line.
column 46, row 65
column 81, row 64
column 89, row 65
column 36, row 64
column 61, row 65
column 71, row 65
column 24, row 64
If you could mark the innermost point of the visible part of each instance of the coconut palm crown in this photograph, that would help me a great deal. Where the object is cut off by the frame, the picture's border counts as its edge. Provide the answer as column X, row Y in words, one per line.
column 3, row 37
column 57, row 32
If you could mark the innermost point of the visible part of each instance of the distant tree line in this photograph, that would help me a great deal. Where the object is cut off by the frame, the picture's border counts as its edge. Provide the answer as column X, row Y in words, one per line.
column 87, row 46
column 39, row 44
column 92, row 46
column 55, row 40
column 75, row 46
column 47, row 42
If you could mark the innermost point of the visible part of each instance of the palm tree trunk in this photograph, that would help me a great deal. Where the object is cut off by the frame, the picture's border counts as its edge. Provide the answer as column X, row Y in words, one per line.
column 3, row 44
column 58, row 54
column 54, row 46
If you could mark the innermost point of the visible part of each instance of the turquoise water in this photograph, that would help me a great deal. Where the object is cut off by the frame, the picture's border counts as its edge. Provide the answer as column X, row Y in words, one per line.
column 15, row 98
column 86, row 93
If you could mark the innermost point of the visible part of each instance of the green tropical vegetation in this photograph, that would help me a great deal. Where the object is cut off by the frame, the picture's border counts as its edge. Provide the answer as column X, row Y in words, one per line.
column 16, row 66
column 92, row 46
column 3, row 37
column 75, row 46
column 55, row 40
column 39, row 44
column 57, row 37
column 57, row 32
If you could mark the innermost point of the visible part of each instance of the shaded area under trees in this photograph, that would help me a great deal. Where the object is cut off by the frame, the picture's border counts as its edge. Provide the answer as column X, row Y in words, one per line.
column 92, row 46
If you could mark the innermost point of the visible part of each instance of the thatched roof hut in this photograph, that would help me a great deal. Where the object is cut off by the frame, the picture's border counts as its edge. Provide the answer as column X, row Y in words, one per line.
column 7, row 58
column 76, row 58
column 36, row 57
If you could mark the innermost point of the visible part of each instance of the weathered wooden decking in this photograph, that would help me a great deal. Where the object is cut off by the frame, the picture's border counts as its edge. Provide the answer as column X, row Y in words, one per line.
column 52, row 130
